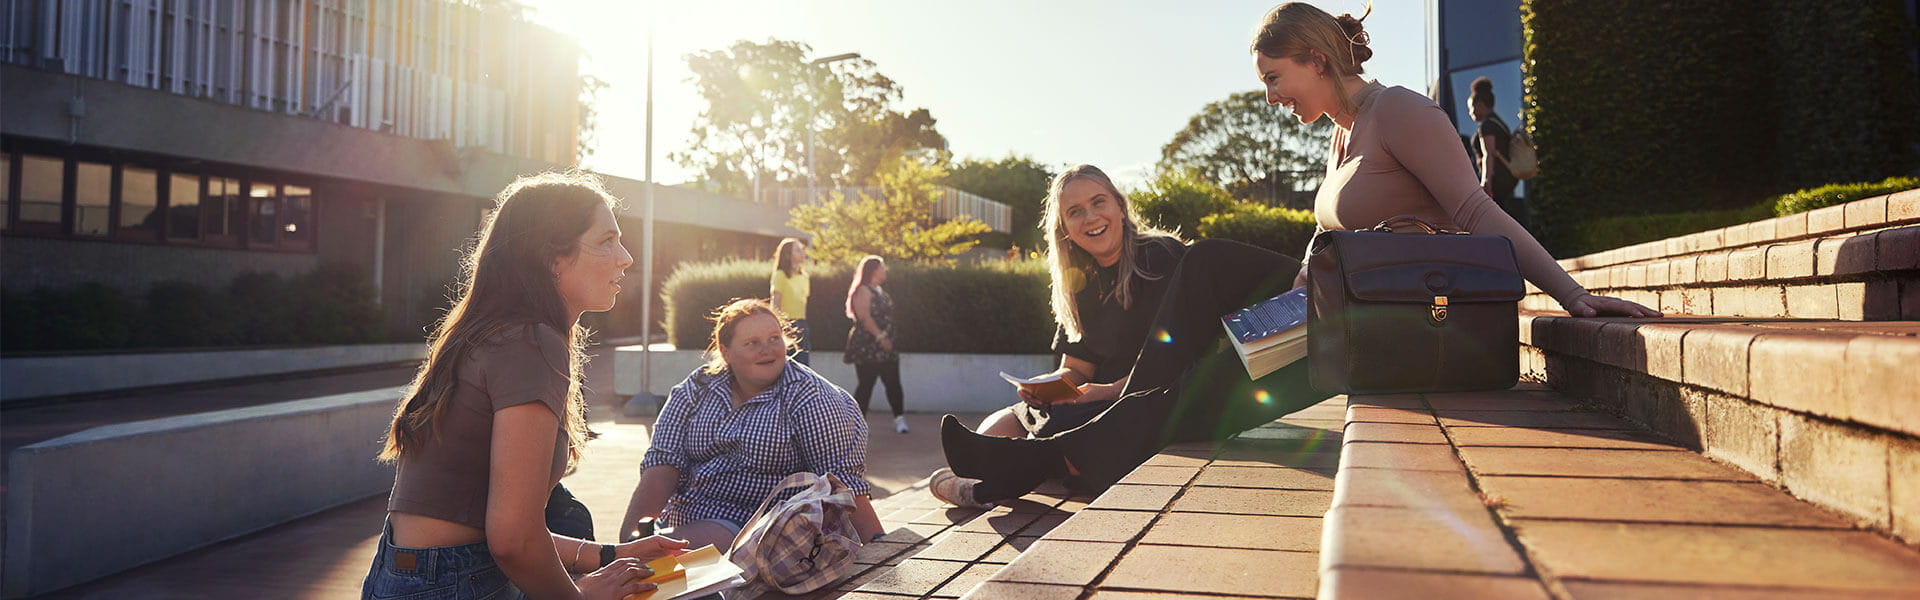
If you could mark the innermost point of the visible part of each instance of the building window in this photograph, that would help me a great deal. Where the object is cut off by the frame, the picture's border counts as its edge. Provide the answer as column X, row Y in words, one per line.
column 6, row 189
column 139, row 203
column 223, row 209
column 296, row 229
column 263, row 215
column 40, row 189
column 92, row 198
column 183, row 206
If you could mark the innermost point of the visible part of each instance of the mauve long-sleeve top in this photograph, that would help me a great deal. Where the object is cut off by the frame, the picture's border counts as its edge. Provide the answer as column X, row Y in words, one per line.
column 1403, row 157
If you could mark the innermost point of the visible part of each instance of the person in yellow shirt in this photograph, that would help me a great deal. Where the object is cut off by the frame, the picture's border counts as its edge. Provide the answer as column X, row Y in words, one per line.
column 790, row 290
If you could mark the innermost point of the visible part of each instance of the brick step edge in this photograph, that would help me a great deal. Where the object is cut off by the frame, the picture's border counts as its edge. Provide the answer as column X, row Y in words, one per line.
column 1831, row 416
column 1860, row 215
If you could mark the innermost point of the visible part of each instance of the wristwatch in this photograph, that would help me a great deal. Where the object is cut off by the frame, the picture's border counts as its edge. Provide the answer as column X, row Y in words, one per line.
column 606, row 554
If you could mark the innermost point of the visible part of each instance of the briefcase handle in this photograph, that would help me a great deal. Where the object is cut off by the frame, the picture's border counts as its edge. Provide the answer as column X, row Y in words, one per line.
column 1387, row 225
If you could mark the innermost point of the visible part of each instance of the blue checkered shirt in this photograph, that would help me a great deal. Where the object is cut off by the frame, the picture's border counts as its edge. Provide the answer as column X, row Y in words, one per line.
column 730, row 459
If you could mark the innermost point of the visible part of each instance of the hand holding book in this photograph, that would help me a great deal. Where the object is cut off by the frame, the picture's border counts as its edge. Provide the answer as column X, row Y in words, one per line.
column 1044, row 390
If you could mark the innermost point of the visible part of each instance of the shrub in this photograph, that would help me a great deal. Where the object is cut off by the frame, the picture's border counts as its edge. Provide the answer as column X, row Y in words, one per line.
column 1802, row 92
column 1839, row 193
column 1178, row 201
column 1282, row 230
column 1607, row 233
column 180, row 313
column 336, row 305
column 993, row 307
column 333, row 304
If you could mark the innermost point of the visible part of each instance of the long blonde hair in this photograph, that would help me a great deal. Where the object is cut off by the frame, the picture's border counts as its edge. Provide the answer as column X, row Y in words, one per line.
column 505, row 284
column 1293, row 29
column 1072, row 266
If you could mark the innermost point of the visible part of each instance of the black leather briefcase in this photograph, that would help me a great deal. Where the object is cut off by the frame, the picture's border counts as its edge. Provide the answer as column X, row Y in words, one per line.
column 1412, row 312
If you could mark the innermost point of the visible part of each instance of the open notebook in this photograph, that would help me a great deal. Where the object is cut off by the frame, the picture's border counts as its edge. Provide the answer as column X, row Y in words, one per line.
column 691, row 575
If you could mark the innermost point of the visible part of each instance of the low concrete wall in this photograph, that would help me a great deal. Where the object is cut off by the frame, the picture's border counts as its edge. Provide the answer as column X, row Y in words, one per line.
column 33, row 377
column 89, row 504
column 956, row 383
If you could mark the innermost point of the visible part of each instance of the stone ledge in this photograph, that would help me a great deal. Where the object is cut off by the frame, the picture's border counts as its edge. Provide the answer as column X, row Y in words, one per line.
column 1822, row 409
column 1524, row 519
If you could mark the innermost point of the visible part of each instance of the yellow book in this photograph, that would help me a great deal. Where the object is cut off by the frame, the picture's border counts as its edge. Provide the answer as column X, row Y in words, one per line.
column 691, row 575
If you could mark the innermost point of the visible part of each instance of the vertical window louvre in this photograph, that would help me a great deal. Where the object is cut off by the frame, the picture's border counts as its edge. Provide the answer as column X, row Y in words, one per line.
column 263, row 215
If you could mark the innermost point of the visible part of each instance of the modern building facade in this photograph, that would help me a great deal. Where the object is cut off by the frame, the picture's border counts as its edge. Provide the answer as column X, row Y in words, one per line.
column 196, row 140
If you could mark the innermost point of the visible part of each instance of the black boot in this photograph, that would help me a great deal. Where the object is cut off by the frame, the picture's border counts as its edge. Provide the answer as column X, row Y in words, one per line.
column 1007, row 467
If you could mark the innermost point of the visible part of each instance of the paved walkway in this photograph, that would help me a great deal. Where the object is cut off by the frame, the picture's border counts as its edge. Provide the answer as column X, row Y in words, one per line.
column 326, row 555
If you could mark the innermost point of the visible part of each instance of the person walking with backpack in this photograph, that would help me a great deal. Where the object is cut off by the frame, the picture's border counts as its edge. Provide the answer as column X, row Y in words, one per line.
column 1490, row 145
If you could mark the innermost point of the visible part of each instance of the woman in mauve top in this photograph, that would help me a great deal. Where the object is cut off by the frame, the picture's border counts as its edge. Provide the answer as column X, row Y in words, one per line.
column 1394, row 152
column 495, row 416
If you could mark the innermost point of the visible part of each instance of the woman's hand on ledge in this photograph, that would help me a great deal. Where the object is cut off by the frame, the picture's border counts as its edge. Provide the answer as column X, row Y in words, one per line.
column 1589, row 305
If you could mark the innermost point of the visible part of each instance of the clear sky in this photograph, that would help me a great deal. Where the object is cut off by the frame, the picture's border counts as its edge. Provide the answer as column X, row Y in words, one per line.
column 1064, row 82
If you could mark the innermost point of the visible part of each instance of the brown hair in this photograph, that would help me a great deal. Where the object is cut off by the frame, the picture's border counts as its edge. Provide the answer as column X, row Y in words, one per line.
column 506, row 282
column 1070, row 265
column 1482, row 92
column 862, row 277
column 1294, row 29
column 783, row 257
column 728, row 317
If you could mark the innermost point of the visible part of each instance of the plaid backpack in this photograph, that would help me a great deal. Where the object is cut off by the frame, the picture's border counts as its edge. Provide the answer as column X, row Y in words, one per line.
column 805, row 543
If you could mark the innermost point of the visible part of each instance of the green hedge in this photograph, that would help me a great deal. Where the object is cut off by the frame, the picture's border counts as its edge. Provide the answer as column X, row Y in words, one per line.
column 1177, row 202
column 332, row 304
column 1840, row 193
column 997, row 307
column 1282, row 230
column 1639, row 107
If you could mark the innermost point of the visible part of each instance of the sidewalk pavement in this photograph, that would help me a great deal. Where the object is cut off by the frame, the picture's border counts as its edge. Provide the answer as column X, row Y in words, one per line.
column 326, row 555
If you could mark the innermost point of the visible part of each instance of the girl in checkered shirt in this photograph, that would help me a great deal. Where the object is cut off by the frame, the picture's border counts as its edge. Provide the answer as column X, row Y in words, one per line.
column 741, row 423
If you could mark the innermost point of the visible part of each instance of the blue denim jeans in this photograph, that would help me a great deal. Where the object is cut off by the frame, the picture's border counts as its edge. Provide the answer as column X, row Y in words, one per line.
column 446, row 573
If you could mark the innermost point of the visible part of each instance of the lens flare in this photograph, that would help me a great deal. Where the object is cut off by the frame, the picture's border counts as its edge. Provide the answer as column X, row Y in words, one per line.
column 1163, row 336
column 1262, row 397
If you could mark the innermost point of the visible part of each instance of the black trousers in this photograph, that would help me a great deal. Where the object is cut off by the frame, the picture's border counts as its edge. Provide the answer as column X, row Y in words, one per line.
column 887, row 372
column 1187, row 385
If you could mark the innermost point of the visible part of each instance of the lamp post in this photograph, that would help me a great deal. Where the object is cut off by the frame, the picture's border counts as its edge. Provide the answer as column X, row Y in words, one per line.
column 813, row 92
column 646, row 402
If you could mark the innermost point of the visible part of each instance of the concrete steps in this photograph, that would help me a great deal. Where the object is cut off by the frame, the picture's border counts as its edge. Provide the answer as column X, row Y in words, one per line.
column 1530, row 494
column 1858, row 261
column 1827, row 410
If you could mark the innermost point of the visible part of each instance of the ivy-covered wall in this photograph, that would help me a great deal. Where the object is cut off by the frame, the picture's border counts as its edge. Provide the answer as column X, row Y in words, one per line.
column 1649, row 106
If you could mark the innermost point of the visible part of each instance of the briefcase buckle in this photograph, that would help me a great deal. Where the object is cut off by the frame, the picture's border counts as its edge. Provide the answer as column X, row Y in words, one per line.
column 1439, row 309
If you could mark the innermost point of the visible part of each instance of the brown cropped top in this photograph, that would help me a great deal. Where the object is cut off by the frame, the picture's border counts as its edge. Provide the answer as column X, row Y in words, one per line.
column 446, row 477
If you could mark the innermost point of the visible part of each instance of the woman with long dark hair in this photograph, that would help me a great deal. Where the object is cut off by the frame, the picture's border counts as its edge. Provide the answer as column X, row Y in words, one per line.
column 870, row 344
column 495, row 416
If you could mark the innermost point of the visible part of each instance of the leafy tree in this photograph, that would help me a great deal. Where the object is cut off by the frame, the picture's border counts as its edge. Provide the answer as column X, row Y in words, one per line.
column 1016, row 181
column 763, row 97
column 585, row 135
column 1247, row 147
column 1177, row 201
column 898, row 225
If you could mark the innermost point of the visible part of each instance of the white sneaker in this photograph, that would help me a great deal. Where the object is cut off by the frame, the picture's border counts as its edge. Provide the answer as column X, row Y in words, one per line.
column 900, row 424
column 953, row 489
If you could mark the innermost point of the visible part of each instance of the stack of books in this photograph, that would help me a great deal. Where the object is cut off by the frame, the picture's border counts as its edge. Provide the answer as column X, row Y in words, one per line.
column 1270, row 334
